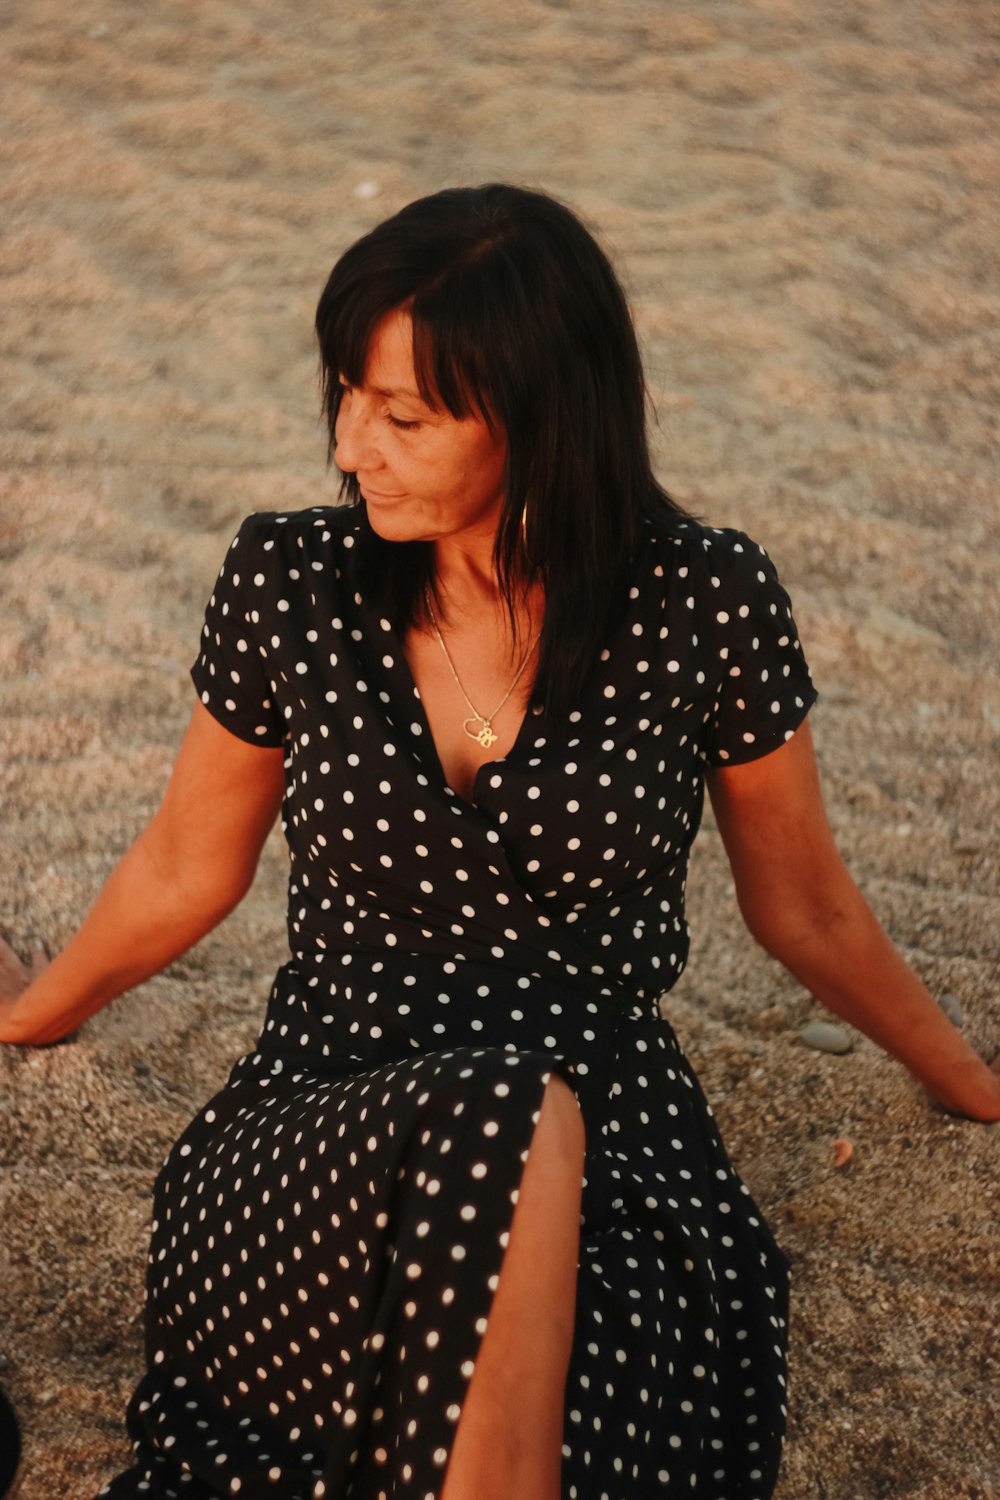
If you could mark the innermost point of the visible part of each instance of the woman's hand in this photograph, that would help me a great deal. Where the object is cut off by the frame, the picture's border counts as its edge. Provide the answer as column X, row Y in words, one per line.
column 800, row 903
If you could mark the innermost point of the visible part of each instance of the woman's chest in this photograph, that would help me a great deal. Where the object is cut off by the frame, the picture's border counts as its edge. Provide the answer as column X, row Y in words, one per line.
column 576, row 809
column 474, row 696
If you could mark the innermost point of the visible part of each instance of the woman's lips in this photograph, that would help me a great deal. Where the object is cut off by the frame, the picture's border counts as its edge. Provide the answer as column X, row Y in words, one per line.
column 377, row 494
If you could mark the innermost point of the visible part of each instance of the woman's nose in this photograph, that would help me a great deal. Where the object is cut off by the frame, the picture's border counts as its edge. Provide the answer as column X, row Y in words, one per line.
column 353, row 447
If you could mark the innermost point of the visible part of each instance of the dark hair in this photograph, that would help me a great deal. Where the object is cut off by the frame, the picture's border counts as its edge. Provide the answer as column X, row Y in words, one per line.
column 519, row 318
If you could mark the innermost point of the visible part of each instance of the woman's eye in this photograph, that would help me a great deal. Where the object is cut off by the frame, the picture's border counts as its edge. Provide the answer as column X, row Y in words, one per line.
column 396, row 422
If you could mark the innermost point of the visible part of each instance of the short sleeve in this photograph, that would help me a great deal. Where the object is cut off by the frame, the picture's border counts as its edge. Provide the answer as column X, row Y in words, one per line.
column 765, row 689
column 228, row 673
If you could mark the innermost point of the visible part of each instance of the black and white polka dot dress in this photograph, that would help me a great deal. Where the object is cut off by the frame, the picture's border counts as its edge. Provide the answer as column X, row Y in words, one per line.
column 329, row 1230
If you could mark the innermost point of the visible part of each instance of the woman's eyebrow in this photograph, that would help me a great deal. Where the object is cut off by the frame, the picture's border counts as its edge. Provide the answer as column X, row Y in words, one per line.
column 401, row 393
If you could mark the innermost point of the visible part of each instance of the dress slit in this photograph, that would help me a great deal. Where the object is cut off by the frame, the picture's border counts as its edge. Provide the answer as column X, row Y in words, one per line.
column 396, row 1360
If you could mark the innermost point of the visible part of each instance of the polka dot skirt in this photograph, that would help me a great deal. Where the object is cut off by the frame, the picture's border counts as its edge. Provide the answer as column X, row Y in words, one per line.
column 329, row 1231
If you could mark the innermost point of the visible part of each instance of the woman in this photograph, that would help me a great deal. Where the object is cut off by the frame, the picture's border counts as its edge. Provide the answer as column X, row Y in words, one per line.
column 461, row 1226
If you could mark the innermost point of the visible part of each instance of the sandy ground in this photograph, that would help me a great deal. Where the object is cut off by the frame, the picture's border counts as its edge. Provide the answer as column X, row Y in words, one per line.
column 802, row 199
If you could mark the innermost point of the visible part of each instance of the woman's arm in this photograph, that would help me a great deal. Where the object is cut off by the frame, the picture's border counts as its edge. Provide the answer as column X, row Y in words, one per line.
column 800, row 903
column 184, row 873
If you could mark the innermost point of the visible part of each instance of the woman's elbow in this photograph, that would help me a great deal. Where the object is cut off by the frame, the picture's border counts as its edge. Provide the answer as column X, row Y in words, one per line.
column 808, row 918
column 197, row 890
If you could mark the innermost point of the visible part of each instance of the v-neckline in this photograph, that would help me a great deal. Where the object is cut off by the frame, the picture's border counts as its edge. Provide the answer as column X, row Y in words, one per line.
column 471, row 804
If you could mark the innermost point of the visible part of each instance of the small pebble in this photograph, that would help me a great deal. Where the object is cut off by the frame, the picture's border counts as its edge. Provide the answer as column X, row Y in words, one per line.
column 843, row 1150
column 824, row 1036
column 952, row 1007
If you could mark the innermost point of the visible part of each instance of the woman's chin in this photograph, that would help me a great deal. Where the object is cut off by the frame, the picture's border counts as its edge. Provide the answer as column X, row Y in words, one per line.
column 393, row 528
column 388, row 519
column 393, row 524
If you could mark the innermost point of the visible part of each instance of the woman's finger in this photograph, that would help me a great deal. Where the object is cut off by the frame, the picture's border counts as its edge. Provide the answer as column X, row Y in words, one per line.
column 15, row 975
column 11, row 967
column 39, row 959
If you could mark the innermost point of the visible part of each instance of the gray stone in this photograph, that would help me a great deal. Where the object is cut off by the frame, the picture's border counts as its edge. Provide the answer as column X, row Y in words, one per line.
column 952, row 1007
column 825, row 1036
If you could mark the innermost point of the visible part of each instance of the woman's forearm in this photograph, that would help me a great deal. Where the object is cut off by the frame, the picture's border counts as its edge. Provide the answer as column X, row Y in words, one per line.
column 850, row 965
column 185, row 872
column 800, row 902
column 141, row 921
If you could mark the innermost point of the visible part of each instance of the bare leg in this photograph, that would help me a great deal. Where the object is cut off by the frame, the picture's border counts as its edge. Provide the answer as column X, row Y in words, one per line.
column 509, row 1436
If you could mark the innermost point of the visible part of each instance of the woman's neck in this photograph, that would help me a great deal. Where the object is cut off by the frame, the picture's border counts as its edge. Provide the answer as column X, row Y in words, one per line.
column 469, row 592
column 465, row 570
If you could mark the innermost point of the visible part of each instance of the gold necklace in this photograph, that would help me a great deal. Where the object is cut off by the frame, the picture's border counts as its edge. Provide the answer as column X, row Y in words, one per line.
column 478, row 727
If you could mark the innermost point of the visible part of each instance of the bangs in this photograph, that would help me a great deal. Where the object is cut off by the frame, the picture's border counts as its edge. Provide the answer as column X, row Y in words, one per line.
column 447, row 363
column 346, row 322
column 448, row 353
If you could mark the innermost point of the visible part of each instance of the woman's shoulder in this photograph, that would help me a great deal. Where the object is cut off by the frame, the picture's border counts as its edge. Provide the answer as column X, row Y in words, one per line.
column 685, row 547
column 325, row 521
column 274, row 542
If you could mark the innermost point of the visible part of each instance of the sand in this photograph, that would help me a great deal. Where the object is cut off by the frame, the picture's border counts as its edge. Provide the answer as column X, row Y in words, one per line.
column 802, row 201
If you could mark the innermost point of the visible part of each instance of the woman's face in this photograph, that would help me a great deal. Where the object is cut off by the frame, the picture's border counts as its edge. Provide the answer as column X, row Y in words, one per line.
column 425, row 475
